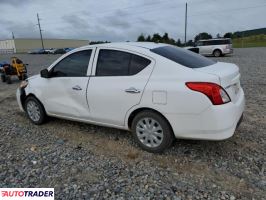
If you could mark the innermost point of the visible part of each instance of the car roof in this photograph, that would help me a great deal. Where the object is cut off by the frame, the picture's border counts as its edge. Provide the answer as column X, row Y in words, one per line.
column 145, row 45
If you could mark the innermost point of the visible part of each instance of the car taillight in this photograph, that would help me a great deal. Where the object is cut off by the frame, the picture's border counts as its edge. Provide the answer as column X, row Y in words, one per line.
column 213, row 91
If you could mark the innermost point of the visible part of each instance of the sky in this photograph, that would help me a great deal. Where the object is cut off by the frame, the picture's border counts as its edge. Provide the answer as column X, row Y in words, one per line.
column 125, row 20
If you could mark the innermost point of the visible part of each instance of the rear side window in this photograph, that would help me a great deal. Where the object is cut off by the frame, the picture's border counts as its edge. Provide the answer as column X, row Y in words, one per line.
column 119, row 63
column 74, row 65
column 183, row 57
column 214, row 42
column 137, row 64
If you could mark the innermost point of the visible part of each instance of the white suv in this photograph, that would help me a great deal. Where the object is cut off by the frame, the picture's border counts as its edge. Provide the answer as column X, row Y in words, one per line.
column 217, row 47
column 158, row 91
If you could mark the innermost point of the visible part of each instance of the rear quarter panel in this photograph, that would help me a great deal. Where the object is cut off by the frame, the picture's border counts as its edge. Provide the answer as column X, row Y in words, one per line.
column 169, row 78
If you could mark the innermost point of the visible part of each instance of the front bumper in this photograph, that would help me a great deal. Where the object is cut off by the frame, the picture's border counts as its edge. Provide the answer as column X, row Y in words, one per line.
column 20, row 94
column 215, row 123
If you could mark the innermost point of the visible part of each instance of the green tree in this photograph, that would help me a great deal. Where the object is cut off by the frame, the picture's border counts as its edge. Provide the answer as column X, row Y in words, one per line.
column 165, row 38
column 178, row 43
column 141, row 38
column 148, row 39
column 228, row 35
column 156, row 37
column 190, row 43
column 237, row 34
column 202, row 36
column 218, row 35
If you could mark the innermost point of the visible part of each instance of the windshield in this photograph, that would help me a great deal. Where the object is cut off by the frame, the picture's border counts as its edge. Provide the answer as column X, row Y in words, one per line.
column 183, row 57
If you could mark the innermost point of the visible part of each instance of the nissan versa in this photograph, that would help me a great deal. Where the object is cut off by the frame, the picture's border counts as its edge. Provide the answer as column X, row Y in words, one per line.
column 158, row 91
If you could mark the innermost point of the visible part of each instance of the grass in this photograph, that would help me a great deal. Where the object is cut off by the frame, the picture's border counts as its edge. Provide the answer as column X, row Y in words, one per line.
column 251, row 41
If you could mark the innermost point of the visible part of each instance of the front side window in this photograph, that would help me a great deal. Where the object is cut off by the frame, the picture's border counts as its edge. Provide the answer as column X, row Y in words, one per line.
column 119, row 63
column 74, row 65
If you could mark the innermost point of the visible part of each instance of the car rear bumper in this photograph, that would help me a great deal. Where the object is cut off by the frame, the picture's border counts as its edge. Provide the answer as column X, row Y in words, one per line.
column 215, row 123
column 228, row 51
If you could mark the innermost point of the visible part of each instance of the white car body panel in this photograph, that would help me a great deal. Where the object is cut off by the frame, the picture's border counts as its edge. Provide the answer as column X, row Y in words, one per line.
column 103, row 100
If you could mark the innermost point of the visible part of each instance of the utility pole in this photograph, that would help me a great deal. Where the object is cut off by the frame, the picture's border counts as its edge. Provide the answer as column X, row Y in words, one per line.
column 242, row 39
column 186, row 25
column 13, row 36
column 40, row 29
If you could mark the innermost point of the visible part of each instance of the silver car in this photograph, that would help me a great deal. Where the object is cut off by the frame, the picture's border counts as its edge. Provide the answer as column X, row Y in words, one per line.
column 216, row 47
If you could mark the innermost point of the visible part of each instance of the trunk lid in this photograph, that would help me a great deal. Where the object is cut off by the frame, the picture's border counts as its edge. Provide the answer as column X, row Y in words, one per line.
column 228, row 75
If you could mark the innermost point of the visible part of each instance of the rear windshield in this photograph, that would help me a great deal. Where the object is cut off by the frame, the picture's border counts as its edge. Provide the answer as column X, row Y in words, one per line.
column 183, row 57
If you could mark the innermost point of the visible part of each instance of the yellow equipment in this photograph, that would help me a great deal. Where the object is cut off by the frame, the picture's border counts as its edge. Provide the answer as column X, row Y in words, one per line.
column 16, row 68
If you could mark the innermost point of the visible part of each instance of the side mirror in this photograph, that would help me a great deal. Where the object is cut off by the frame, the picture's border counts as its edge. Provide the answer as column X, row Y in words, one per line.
column 44, row 73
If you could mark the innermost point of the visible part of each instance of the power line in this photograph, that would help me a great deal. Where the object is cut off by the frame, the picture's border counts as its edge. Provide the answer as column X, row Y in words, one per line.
column 186, row 25
column 40, row 29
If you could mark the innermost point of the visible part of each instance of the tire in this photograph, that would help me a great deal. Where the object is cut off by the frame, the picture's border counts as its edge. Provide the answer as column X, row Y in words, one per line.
column 3, row 77
column 35, row 110
column 152, row 141
column 8, row 79
column 217, row 53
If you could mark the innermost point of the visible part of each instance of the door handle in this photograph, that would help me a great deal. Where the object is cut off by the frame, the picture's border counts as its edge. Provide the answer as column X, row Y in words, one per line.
column 132, row 90
column 77, row 87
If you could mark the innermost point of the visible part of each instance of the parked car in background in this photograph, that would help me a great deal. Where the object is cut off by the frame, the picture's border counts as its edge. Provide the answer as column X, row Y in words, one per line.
column 68, row 49
column 49, row 51
column 37, row 51
column 158, row 91
column 58, row 51
column 216, row 47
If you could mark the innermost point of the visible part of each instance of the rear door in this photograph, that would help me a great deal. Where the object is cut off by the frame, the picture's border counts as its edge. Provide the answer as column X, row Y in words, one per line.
column 117, row 85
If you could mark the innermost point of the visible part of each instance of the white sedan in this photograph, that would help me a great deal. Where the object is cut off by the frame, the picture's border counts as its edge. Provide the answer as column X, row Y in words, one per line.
column 158, row 91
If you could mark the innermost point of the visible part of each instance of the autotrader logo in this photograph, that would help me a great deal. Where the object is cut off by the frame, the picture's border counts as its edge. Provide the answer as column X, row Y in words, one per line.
column 27, row 193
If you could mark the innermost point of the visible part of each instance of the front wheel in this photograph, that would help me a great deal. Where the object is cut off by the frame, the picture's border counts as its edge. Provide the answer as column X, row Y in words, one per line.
column 35, row 110
column 152, row 132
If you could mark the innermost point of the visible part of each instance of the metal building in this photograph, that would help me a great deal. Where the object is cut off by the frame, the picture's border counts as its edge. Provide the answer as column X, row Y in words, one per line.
column 23, row 45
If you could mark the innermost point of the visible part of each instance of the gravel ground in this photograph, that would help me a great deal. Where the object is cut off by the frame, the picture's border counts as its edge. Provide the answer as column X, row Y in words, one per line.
column 83, row 161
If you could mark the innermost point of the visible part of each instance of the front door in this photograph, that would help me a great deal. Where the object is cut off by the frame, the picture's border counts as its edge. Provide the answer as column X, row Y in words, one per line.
column 64, row 93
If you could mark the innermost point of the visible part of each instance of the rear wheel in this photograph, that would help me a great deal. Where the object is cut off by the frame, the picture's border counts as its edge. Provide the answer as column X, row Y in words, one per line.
column 217, row 53
column 35, row 110
column 3, row 77
column 152, row 132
